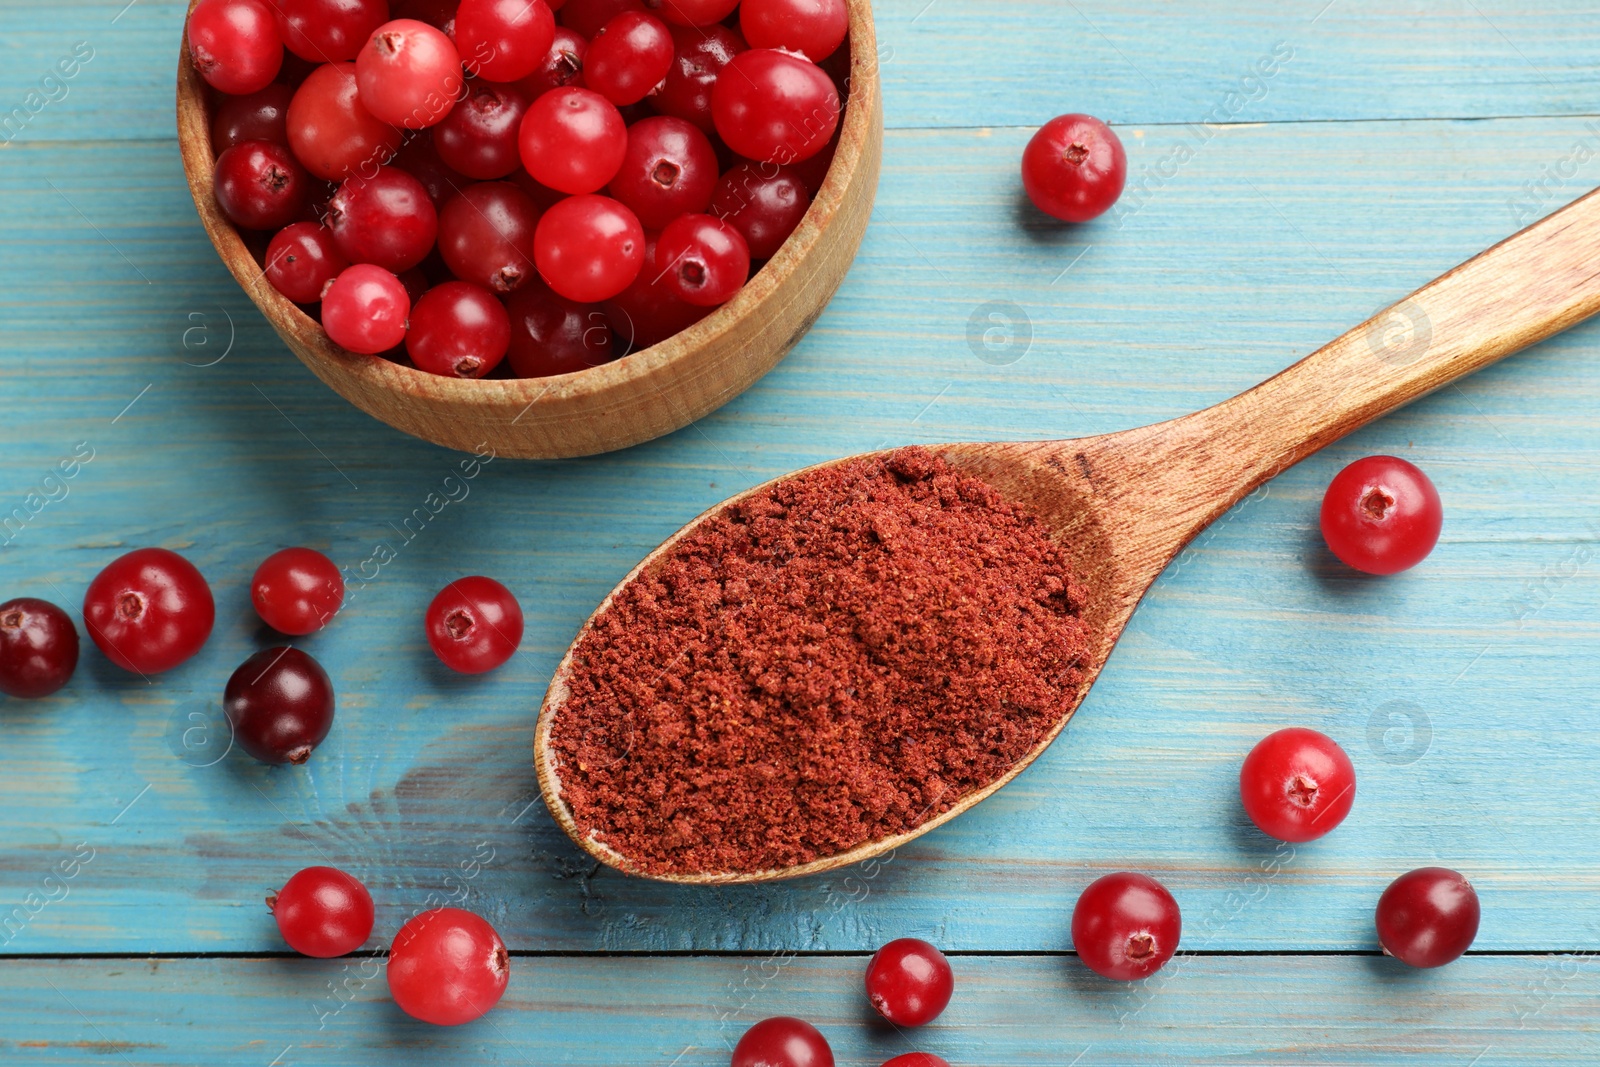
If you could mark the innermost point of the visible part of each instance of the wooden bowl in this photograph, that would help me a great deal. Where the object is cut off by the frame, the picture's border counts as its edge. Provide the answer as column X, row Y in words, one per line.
column 639, row 397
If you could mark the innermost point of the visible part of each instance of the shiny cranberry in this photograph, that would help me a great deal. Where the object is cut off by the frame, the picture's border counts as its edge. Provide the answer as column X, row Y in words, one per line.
column 474, row 625
column 573, row 140
column 916, row 1059
column 648, row 311
column 504, row 40
column 814, row 171
column 410, row 74
column 259, row 185
column 692, row 12
column 909, row 982
column 1125, row 926
column 235, row 45
column 774, row 107
column 1297, row 785
column 365, row 308
column 700, row 55
column 280, row 704
column 38, row 648
column 553, row 335
column 301, row 260
column 447, row 967
column 670, row 169
column 479, row 136
column 323, row 912
column 1074, row 168
column 562, row 64
column 486, row 235
column 261, row 116
column 420, row 159
column 297, row 591
column 628, row 57
column 589, row 248
column 706, row 260
column 814, row 28
column 385, row 218
column 1428, row 917
column 329, row 31
column 458, row 330
column 149, row 610
column 1381, row 515
column 782, row 1042
column 585, row 17
column 764, row 202
column 330, row 131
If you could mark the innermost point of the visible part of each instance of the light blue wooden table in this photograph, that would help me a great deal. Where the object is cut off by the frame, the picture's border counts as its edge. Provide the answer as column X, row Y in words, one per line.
column 1267, row 215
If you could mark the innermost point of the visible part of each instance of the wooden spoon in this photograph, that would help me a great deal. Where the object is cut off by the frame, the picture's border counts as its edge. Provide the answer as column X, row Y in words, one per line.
column 1124, row 504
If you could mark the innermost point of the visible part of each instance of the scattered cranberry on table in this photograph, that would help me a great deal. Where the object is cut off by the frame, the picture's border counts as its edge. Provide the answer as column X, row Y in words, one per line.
column 916, row 1059
column 280, row 703
column 1428, row 917
column 1297, row 784
column 909, row 982
column 38, row 648
column 474, row 625
column 1381, row 515
column 149, row 610
column 1074, row 168
column 1125, row 926
column 323, row 912
column 782, row 1041
column 297, row 591
column 447, row 967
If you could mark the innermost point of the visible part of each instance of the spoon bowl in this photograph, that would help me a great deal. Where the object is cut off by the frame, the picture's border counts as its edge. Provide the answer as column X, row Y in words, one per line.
column 1123, row 505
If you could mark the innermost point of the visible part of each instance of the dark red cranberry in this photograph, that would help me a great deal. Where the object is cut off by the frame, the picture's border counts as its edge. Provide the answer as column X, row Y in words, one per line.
column 764, row 202
column 562, row 64
column 668, row 170
column 260, row 185
column 38, row 648
column 261, row 116
column 587, row 16
column 782, row 1041
column 700, row 55
column 479, row 136
column 386, row 219
column 648, row 311
column 1428, row 917
column 553, row 335
column 419, row 158
column 280, row 703
column 328, row 31
column 486, row 235
column 301, row 260
column 149, row 610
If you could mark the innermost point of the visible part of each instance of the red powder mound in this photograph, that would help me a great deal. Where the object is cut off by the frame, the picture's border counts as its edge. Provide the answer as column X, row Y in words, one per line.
column 835, row 660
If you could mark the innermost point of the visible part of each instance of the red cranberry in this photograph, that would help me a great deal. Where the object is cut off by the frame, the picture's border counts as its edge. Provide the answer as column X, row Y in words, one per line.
column 386, row 219
column 916, row 1059
column 553, row 335
column 323, row 912
column 297, row 591
column 628, row 57
column 814, row 171
column 763, row 202
column 1428, row 917
column 648, row 311
column 420, row 159
column 409, row 73
column 573, row 140
column 447, row 967
column 261, row 116
column 301, row 260
column 585, row 17
column 909, row 982
column 365, row 308
column 706, row 260
column 440, row 14
column 782, row 1042
column 474, row 625
column 1125, row 926
column 669, row 169
column 699, row 57
column 692, row 12
column 331, row 132
column 814, row 28
column 149, row 610
column 486, row 235
column 1074, row 168
column 458, row 330
column 504, row 40
column 479, row 136
column 329, row 31
column 280, row 704
column 259, row 185
column 774, row 107
column 38, row 648
column 1297, row 785
column 235, row 45
column 1381, row 515
column 562, row 64
column 589, row 248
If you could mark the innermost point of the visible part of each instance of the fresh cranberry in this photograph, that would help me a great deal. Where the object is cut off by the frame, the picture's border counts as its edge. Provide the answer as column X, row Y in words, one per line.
column 261, row 116
column 323, row 912
column 504, row 40
column 585, row 17
column 420, row 159
column 553, row 335
column 486, row 235
column 814, row 171
column 280, row 704
column 259, row 185
column 814, row 28
column 782, row 1041
column 331, row 132
column 474, row 625
column 774, row 107
column 458, row 330
column 38, row 648
column 909, row 982
column 365, row 308
column 648, row 311
column 447, row 967
column 692, row 12
column 573, row 140
column 1297, row 785
column 440, row 14
column 916, row 1059
column 1074, row 168
column 706, row 259
column 1125, row 926
column 562, row 64
column 628, row 57
column 1428, row 917
column 670, row 169
column 235, row 45
column 1381, row 515
column 301, row 260
column 763, row 202
column 297, row 591
column 409, row 73
column 386, row 219
column 700, row 55
column 329, row 31
column 149, row 610
column 479, row 136
column 588, row 248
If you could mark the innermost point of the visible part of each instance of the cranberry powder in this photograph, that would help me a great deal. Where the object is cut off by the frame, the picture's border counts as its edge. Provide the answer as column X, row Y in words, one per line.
column 834, row 660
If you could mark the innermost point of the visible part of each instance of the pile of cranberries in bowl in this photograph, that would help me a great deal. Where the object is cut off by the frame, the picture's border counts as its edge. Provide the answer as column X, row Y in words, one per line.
column 520, row 188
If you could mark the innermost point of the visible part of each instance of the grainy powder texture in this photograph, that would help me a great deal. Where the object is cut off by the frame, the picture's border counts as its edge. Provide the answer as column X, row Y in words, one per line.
column 835, row 660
